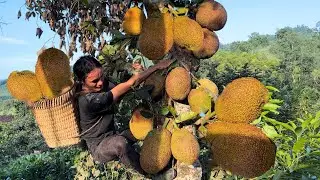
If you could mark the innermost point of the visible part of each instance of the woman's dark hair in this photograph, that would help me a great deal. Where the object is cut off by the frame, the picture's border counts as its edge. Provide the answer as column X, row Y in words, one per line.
column 83, row 66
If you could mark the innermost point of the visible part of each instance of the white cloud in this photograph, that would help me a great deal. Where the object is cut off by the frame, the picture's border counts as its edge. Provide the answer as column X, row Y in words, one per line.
column 11, row 40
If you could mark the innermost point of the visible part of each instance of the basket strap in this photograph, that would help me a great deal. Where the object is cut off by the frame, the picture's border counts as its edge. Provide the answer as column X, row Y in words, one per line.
column 84, row 132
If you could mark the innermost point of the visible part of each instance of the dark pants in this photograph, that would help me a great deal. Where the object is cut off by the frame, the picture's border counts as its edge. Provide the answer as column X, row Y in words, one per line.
column 116, row 147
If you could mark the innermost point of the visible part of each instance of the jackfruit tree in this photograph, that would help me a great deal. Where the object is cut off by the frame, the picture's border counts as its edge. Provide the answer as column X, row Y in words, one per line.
column 172, row 112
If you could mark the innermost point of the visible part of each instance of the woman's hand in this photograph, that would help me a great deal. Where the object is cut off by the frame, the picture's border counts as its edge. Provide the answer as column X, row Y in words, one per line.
column 164, row 64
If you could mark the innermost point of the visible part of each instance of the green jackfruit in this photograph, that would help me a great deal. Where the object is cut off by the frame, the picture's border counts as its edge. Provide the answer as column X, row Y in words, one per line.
column 156, row 38
column 53, row 72
column 156, row 151
column 184, row 146
column 139, row 125
column 178, row 83
column 210, row 87
column 210, row 45
column 243, row 149
column 24, row 86
column 212, row 15
column 187, row 33
column 133, row 20
column 241, row 100
column 199, row 100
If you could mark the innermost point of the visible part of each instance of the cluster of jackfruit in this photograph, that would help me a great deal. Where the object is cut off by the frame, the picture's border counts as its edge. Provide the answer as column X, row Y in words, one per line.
column 237, row 146
column 160, row 145
column 164, row 28
column 52, row 78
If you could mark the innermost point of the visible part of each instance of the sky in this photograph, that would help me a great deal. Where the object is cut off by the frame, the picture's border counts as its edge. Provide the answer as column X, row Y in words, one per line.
column 19, row 45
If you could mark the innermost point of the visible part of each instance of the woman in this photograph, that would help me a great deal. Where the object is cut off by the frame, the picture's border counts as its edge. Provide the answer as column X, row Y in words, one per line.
column 96, row 96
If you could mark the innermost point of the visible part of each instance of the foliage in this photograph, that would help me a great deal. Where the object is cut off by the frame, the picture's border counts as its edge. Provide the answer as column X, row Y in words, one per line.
column 86, row 168
column 20, row 136
column 54, row 164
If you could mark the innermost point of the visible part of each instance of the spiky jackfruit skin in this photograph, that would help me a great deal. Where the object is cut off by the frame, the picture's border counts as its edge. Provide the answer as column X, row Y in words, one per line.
column 53, row 72
column 24, row 86
column 209, row 87
column 199, row 100
column 156, row 80
column 156, row 151
column 212, row 15
column 241, row 100
column 184, row 146
column 156, row 38
column 210, row 45
column 187, row 33
column 133, row 20
column 178, row 83
column 243, row 149
column 139, row 125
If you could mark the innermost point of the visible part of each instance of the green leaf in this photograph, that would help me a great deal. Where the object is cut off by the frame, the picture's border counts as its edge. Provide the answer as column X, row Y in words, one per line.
column 275, row 122
column 275, row 101
column 257, row 121
column 298, row 131
column 270, row 107
column 299, row 145
column 164, row 111
column 270, row 131
column 186, row 116
column 272, row 88
column 85, row 2
column 172, row 111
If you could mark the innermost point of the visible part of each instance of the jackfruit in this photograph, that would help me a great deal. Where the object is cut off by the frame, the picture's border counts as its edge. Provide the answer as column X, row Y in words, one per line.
column 140, row 125
column 210, row 45
column 243, row 149
column 24, row 86
column 184, row 146
column 199, row 100
column 53, row 72
column 241, row 100
column 157, row 81
column 187, row 33
column 156, row 38
column 212, row 15
column 178, row 83
column 210, row 87
column 156, row 151
column 133, row 20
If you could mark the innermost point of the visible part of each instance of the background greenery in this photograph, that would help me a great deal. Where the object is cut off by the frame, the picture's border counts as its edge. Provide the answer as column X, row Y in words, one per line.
column 288, row 60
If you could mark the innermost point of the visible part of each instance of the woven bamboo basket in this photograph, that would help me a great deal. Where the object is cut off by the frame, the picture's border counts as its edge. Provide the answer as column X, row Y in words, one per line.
column 57, row 120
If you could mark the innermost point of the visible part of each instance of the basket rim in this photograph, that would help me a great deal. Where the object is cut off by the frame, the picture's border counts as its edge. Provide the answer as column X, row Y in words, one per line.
column 56, row 101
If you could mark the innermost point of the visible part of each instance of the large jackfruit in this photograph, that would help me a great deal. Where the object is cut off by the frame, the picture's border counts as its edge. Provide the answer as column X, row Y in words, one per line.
column 209, row 87
column 139, row 125
column 210, row 45
column 243, row 149
column 156, row 38
column 212, row 15
column 178, row 83
column 24, row 86
column 184, row 146
column 241, row 100
column 187, row 33
column 156, row 151
column 133, row 20
column 53, row 72
column 157, row 81
column 199, row 100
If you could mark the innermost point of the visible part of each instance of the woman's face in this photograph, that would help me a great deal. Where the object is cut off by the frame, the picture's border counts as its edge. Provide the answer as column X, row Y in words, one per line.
column 94, row 80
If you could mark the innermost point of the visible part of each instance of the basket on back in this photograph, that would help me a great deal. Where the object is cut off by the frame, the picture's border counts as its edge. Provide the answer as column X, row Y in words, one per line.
column 50, row 90
column 57, row 119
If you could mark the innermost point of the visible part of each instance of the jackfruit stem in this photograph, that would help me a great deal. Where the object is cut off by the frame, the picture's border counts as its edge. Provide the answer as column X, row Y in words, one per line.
column 166, row 122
